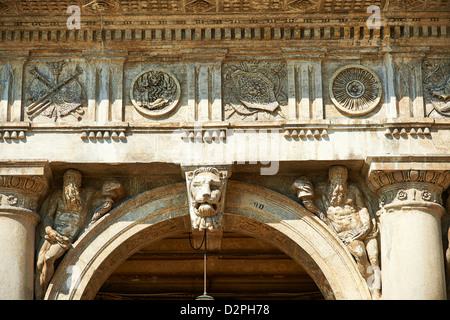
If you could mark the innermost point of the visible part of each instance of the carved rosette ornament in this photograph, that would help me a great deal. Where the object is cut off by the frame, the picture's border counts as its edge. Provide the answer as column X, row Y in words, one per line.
column 206, row 188
column 355, row 90
column 155, row 92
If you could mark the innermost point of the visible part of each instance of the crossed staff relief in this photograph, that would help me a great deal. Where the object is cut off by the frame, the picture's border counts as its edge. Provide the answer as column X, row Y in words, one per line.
column 55, row 99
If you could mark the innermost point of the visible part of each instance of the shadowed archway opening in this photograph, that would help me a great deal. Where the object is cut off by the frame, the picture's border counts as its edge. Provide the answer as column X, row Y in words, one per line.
column 239, row 266
column 251, row 211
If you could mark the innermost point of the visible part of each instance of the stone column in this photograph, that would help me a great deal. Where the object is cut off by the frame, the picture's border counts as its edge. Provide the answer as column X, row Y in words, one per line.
column 410, row 196
column 21, row 186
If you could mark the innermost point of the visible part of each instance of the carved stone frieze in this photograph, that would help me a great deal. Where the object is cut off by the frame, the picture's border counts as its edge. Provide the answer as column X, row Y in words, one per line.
column 341, row 206
column 201, row 6
column 206, row 188
column 155, row 92
column 303, row 5
column 413, row 4
column 355, row 90
column 254, row 90
column 52, row 97
column 436, row 79
column 100, row 6
column 90, row 7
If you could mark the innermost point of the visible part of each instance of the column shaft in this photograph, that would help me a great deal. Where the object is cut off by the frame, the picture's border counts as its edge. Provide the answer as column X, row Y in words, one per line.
column 411, row 254
column 21, row 186
column 411, row 207
column 17, row 231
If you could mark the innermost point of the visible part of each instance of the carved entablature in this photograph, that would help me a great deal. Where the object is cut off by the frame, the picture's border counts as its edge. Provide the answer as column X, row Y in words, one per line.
column 211, row 6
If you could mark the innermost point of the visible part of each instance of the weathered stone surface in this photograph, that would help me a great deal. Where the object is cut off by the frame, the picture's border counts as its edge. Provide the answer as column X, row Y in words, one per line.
column 272, row 90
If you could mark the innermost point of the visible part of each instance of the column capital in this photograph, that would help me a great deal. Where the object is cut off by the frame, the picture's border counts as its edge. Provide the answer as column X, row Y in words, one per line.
column 408, row 180
column 22, row 183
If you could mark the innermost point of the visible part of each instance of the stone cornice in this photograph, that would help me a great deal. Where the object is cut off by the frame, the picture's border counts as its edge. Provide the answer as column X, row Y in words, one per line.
column 304, row 26
column 400, row 129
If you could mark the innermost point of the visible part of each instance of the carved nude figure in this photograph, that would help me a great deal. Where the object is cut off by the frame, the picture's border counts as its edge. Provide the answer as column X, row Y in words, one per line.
column 65, row 216
column 205, row 190
column 64, row 220
column 341, row 206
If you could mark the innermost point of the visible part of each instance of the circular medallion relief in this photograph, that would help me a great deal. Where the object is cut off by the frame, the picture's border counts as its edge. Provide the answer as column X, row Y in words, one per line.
column 355, row 90
column 155, row 92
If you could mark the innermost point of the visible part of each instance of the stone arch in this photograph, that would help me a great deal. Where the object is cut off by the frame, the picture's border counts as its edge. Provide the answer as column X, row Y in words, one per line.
column 163, row 212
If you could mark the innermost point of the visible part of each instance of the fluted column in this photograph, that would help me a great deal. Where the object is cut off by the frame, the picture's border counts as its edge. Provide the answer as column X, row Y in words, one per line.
column 21, row 186
column 410, row 196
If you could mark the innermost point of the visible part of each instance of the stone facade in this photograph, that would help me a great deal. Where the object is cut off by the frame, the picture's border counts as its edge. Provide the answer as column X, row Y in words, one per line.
column 320, row 127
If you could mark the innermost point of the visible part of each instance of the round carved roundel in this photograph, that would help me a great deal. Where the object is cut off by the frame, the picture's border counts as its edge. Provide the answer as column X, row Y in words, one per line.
column 155, row 92
column 355, row 90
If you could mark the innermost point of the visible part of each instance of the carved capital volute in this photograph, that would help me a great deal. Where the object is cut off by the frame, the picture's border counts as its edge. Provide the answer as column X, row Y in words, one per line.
column 22, row 184
column 415, row 183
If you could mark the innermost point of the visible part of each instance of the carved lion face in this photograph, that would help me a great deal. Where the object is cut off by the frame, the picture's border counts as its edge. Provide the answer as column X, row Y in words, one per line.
column 206, row 187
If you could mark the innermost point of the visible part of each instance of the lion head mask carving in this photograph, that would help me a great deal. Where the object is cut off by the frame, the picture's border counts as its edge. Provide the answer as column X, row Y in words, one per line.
column 206, row 192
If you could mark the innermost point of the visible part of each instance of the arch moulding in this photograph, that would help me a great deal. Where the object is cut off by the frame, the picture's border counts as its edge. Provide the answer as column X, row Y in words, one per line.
column 250, row 210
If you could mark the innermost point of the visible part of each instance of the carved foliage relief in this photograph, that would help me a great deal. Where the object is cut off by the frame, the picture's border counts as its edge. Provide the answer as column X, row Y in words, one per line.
column 254, row 91
column 355, row 90
column 55, row 94
column 436, row 80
